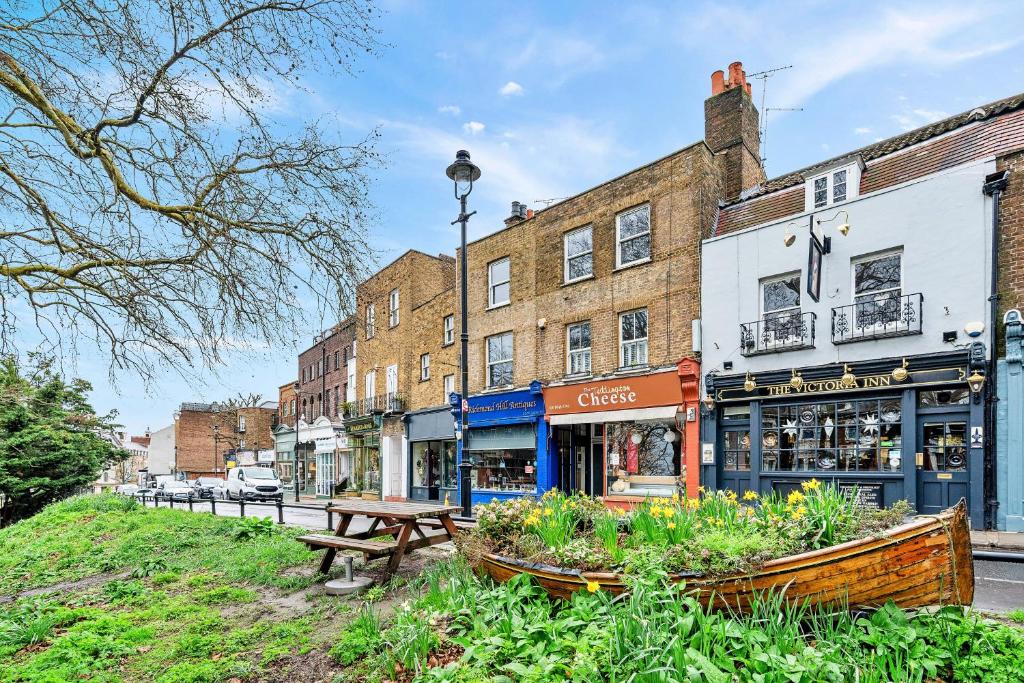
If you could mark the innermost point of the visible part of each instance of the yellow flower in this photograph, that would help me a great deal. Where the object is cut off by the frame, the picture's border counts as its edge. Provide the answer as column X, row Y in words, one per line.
column 671, row 525
column 750, row 495
column 655, row 512
column 692, row 503
column 620, row 512
column 548, row 512
column 675, row 497
column 794, row 497
column 811, row 485
column 799, row 512
column 701, row 489
column 593, row 586
column 668, row 512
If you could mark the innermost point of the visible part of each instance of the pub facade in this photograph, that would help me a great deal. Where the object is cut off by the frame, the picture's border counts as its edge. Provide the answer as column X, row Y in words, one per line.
column 843, row 336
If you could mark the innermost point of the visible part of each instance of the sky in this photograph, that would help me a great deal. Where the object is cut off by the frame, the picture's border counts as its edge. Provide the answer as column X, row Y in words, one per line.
column 554, row 98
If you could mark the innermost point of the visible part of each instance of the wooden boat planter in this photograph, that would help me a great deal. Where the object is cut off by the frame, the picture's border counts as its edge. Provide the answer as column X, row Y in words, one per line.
column 927, row 561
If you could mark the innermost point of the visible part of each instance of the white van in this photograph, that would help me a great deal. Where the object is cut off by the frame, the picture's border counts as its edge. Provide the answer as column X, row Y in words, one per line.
column 254, row 483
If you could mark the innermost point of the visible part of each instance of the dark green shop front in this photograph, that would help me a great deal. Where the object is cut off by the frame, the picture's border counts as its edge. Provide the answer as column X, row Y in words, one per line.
column 889, row 435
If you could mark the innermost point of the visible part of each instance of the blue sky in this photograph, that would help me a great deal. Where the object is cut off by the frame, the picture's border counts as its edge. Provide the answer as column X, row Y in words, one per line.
column 553, row 98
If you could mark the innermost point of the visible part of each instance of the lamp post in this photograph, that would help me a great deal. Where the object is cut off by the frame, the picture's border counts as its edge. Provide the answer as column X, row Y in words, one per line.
column 216, row 448
column 464, row 173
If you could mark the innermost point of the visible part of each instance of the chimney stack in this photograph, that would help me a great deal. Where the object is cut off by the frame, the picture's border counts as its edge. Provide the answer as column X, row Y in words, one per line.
column 518, row 215
column 732, row 131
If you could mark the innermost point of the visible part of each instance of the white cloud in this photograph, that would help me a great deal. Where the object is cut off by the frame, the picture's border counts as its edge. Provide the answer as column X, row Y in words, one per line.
column 511, row 88
column 558, row 55
column 473, row 127
column 862, row 130
column 452, row 109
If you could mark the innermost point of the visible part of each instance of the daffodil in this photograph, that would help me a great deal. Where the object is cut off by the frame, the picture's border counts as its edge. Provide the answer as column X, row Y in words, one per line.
column 656, row 512
column 799, row 512
column 750, row 495
column 548, row 512
column 670, row 525
column 668, row 512
column 593, row 586
column 675, row 497
column 794, row 497
column 811, row 485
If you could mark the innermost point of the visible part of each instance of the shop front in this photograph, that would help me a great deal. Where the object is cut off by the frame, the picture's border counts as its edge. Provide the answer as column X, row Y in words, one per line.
column 507, row 442
column 904, row 428
column 625, row 439
column 284, row 450
column 364, row 442
column 432, row 449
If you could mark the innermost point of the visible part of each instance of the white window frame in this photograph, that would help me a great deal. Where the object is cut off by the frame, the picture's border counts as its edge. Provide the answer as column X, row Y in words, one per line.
column 370, row 385
column 449, row 329
column 566, row 256
column 393, row 304
column 371, row 320
column 854, row 262
column 618, row 236
column 641, row 343
column 491, row 283
column 424, row 367
column 241, row 424
column 584, row 353
column 780, row 311
column 490, row 363
column 853, row 173
column 449, row 386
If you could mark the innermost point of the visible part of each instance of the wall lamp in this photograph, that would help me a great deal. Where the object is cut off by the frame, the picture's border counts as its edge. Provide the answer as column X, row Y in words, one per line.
column 709, row 402
column 749, row 384
column 844, row 227
column 976, row 382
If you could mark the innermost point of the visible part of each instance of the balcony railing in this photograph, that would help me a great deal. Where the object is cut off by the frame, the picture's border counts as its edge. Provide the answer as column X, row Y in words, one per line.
column 886, row 315
column 777, row 332
column 382, row 403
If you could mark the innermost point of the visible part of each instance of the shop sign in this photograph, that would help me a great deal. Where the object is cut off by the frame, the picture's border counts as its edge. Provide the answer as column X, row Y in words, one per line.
column 707, row 454
column 265, row 456
column 836, row 384
column 643, row 391
column 868, row 495
column 508, row 406
column 362, row 425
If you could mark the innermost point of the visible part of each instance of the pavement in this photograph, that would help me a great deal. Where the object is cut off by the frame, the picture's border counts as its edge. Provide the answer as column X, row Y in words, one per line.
column 998, row 586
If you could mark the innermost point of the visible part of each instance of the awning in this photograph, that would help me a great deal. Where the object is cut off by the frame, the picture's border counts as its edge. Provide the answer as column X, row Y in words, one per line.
column 628, row 415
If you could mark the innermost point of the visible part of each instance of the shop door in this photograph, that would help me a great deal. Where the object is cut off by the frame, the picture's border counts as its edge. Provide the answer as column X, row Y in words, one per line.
column 324, row 474
column 942, row 470
column 734, row 459
column 573, row 459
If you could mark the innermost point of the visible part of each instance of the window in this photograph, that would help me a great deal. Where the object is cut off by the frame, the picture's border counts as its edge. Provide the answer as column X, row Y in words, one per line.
column 834, row 436
column 780, row 308
column 370, row 385
column 641, row 461
column 319, row 368
column 579, row 349
column 579, row 254
column 241, row 424
column 499, row 360
column 433, row 464
column 303, row 375
column 633, row 338
column 498, row 283
column 293, row 407
column 425, row 367
column 337, row 358
column 449, row 330
column 346, row 355
column 877, row 290
column 371, row 321
column 337, row 403
column 393, row 308
column 833, row 187
column 449, row 386
column 633, row 236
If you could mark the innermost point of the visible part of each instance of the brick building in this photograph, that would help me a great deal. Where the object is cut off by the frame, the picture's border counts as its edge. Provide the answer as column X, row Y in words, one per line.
column 324, row 381
column 287, row 402
column 400, row 340
column 597, row 295
column 207, row 436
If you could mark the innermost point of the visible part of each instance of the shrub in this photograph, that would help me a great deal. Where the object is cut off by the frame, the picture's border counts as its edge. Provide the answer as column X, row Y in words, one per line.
column 254, row 527
column 361, row 638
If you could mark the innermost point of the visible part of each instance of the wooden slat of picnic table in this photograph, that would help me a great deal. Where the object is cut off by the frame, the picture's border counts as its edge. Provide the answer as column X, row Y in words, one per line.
column 374, row 508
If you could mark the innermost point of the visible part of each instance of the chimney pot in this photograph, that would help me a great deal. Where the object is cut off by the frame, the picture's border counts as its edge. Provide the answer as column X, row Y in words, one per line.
column 529, row 213
column 515, row 208
column 717, row 83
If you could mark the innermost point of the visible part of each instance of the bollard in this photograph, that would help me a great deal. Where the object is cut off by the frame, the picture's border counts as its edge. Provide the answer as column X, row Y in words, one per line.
column 170, row 501
column 241, row 506
column 280, row 510
column 348, row 568
column 213, row 506
column 190, row 504
column 330, row 516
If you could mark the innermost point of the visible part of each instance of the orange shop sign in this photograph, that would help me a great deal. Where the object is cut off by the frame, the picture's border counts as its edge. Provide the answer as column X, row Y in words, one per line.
column 643, row 391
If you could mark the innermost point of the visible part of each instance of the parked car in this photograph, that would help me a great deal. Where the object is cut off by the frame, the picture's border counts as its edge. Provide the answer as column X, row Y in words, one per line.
column 145, row 493
column 208, row 488
column 254, row 483
column 126, row 489
column 175, row 490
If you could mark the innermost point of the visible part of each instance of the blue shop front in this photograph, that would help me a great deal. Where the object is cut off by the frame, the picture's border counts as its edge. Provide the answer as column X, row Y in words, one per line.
column 507, row 442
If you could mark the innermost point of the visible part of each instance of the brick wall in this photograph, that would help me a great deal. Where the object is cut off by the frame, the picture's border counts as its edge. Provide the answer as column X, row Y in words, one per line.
column 731, row 131
column 1011, row 238
column 316, row 391
column 199, row 453
column 428, row 338
column 681, row 190
column 286, row 394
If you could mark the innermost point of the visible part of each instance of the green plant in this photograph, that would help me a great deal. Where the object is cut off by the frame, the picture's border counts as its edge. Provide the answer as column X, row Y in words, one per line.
column 148, row 567
column 254, row 527
column 360, row 638
column 29, row 622
column 1016, row 615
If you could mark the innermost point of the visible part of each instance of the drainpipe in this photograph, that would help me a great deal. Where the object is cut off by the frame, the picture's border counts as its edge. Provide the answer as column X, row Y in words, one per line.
column 994, row 186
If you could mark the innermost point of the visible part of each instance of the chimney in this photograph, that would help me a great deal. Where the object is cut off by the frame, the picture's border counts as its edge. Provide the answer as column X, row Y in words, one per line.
column 518, row 215
column 731, row 130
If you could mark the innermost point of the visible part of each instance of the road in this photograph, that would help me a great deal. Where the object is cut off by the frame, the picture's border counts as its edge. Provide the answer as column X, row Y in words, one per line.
column 999, row 586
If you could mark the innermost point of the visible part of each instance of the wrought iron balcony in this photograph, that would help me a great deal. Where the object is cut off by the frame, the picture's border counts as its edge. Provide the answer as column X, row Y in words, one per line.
column 381, row 403
column 777, row 332
column 878, row 317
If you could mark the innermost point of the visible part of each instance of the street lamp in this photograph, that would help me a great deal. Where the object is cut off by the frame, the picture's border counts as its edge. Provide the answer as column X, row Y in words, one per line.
column 464, row 173
column 216, row 449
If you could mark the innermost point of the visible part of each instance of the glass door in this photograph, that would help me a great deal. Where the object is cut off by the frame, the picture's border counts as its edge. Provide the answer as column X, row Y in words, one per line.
column 734, row 461
column 942, row 471
column 325, row 474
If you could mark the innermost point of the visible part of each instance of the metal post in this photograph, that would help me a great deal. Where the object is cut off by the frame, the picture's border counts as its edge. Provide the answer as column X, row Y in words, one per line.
column 241, row 506
column 213, row 506
column 464, row 466
column 348, row 568
column 170, row 501
column 190, row 504
column 330, row 515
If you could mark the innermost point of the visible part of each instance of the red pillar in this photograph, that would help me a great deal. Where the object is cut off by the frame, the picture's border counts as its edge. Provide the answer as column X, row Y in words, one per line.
column 689, row 378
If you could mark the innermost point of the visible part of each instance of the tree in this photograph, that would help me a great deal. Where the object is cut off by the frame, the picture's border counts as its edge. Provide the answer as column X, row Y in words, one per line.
column 150, row 201
column 50, row 439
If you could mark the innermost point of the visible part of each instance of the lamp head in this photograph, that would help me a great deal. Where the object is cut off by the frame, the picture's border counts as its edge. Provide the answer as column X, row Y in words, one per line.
column 464, row 173
column 844, row 229
column 976, row 382
column 788, row 238
column 796, row 381
column 749, row 384
column 849, row 379
column 709, row 402
column 900, row 373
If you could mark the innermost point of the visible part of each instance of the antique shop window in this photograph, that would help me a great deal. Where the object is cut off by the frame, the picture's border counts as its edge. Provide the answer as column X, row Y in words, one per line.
column 642, row 458
column 633, row 236
column 513, row 469
column 499, row 360
column 633, row 338
column 579, row 254
column 579, row 349
column 498, row 283
column 839, row 436
column 877, row 288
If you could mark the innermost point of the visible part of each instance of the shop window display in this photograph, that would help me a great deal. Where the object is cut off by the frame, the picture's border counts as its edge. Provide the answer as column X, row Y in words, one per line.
column 840, row 436
column 506, row 470
column 642, row 458
column 433, row 464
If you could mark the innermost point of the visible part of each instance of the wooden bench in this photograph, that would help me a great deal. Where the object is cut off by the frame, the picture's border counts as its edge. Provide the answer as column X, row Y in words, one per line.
column 372, row 549
column 436, row 524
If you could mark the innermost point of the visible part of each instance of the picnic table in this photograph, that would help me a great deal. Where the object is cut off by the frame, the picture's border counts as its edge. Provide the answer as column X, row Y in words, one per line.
column 391, row 530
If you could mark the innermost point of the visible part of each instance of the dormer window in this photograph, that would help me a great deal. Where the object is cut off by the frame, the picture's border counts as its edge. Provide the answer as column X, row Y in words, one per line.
column 835, row 186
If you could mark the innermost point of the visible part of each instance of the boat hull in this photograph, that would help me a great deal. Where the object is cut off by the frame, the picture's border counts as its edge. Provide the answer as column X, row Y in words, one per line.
column 927, row 561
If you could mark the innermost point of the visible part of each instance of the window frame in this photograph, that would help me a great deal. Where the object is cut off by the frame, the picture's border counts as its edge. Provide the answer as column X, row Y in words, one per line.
column 645, row 339
column 566, row 257
column 448, row 333
column 619, row 241
column 394, row 305
column 490, row 363
column 424, row 367
column 371, row 320
column 780, row 278
column 867, row 258
column 588, row 350
column 851, row 189
column 491, row 284
column 448, row 390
